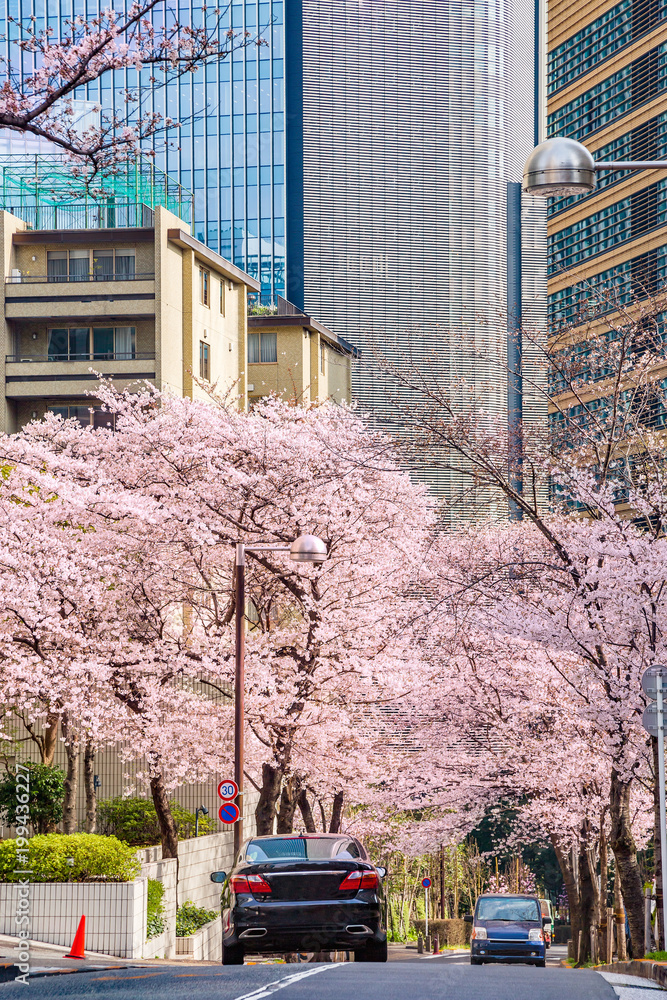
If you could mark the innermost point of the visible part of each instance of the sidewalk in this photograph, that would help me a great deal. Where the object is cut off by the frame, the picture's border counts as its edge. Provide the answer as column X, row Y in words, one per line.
column 49, row 958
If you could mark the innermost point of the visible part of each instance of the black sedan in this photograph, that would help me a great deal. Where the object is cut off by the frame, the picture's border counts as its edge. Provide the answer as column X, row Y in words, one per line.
column 311, row 893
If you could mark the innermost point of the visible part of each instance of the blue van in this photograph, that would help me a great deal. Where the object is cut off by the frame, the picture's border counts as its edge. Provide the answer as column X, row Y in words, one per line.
column 507, row 929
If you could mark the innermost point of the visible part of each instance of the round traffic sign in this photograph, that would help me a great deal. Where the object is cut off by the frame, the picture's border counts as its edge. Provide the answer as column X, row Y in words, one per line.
column 649, row 686
column 228, row 812
column 228, row 790
column 426, row 882
column 650, row 719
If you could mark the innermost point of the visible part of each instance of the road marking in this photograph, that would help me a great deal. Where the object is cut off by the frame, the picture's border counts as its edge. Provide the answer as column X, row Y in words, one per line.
column 279, row 984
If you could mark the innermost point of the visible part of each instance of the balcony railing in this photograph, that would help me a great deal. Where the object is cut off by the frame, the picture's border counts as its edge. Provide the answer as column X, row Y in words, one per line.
column 119, row 356
column 34, row 279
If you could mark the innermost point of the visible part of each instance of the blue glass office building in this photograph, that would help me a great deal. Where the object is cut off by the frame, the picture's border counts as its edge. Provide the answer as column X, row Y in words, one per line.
column 230, row 150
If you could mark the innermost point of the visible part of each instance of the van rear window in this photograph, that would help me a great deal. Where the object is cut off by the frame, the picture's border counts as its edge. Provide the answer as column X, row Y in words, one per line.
column 507, row 908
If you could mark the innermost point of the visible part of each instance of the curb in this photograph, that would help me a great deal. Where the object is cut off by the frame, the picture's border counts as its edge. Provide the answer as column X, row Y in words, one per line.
column 644, row 968
column 9, row 971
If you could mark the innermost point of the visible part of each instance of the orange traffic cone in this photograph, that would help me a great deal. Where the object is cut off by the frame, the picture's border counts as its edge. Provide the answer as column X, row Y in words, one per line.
column 79, row 938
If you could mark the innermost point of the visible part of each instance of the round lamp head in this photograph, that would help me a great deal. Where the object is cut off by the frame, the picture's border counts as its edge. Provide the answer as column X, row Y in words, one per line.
column 308, row 548
column 558, row 167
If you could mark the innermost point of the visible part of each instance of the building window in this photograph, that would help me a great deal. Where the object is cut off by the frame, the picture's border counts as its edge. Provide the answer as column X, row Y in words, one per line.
column 323, row 355
column 84, row 265
column 204, row 361
column 222, row 296
column 87, row 415
column 262, row 348
column 108, row 343
column 204, row 286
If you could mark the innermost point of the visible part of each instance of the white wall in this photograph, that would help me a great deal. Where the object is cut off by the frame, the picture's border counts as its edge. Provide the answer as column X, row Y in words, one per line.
column 115, row 914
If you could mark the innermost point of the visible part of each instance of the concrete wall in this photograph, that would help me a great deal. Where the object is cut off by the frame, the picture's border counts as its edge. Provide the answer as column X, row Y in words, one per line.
column 115, row 914
column 205, row 945
column 164, row 945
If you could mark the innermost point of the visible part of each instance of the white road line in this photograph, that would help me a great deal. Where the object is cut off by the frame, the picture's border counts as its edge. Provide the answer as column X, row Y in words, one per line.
column 279, row 984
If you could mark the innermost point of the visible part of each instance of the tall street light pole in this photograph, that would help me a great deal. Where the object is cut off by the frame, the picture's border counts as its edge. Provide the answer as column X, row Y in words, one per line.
column 304, row 549
column 562, row 166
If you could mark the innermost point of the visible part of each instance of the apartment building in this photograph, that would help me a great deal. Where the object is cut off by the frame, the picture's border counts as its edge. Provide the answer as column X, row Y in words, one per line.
column 294, row 356
column 146, row 302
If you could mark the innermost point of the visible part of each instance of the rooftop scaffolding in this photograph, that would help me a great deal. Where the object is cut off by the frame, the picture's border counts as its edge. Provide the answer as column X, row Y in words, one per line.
column 47, row 192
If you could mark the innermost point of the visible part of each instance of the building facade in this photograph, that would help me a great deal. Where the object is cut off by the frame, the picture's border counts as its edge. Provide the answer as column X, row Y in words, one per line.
column 299, row 359
column 129, row 303
column 607, row 88
column 415, row 124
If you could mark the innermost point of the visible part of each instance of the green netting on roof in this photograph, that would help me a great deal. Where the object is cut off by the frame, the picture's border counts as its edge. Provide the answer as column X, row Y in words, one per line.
column 47, row 193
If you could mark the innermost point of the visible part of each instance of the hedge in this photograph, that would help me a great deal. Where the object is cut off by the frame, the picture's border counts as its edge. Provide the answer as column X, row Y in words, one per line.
column 94, row 858
column 454, row 933
column 190, row 918
column 135, row 821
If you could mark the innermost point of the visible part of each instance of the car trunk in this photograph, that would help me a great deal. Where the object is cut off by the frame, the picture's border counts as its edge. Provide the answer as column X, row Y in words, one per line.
column 306, row 880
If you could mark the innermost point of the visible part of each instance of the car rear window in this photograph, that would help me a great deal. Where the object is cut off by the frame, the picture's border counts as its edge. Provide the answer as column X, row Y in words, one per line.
column 507, row 908
column 301, row 849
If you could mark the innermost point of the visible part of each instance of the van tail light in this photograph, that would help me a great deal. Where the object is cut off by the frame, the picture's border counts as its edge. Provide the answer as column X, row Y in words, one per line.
column 359, row 880
column 258, row 884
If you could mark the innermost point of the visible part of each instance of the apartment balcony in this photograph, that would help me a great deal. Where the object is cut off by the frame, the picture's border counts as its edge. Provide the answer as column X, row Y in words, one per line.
column 41, row 375
column 29, row 296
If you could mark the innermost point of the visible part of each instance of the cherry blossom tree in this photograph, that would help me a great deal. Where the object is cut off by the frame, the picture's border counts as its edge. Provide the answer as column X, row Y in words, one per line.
column 167, row 497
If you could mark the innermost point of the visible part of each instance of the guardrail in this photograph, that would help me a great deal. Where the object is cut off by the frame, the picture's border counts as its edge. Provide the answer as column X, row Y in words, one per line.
column 61, row 279
column 43, row 358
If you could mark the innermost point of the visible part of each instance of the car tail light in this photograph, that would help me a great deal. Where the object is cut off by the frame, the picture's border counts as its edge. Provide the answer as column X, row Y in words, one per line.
column 359, row 880
column 249, row 883
column 258, row 884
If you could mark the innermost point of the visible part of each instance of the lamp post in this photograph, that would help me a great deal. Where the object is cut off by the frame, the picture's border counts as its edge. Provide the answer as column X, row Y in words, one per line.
column 562, row 166
column 306, row 549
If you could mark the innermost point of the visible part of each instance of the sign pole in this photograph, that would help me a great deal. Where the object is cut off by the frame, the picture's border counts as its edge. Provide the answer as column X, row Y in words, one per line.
column 426, row 898
column 661, row 779
column 239, row 692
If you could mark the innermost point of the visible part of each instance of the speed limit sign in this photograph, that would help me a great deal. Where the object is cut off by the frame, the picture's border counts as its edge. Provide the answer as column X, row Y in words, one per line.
column 228, row 790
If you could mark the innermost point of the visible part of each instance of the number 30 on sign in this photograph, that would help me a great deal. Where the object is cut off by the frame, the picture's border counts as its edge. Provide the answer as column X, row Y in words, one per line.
column 228, row 790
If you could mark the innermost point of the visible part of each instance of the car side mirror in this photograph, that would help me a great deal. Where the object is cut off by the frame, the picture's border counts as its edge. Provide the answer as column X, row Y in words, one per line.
column 218, row 876
column 468, row 918
column 381, row 871
column 545, row 921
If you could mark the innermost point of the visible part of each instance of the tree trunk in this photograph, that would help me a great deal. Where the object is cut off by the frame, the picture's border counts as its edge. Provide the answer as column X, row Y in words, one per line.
column 265, row 813
column 657, row 852
column 336, row 813
column 306, row 812
column 625, row 853
column 89, row 787
column 168, row 831
column 604, row 879
column 589, row 897
column 48, row 747
column 570, row 887
column 71, row 784
column 288, row 802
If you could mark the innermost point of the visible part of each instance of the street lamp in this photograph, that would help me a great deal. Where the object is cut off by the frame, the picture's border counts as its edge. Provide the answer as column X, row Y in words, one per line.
column 562, row 166
column 305, row 549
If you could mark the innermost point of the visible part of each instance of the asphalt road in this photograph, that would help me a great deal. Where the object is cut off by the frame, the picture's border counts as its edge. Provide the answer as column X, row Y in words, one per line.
column 425, row 980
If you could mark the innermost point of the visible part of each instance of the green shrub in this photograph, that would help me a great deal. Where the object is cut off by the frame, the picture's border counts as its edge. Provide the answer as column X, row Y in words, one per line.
column 135, row 821
column 154, row 909
column 94, row 858
column 189, row 918
column 45, row 798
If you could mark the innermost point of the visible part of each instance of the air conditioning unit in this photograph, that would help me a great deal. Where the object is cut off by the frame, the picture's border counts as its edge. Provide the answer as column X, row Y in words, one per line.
column 16, row 275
